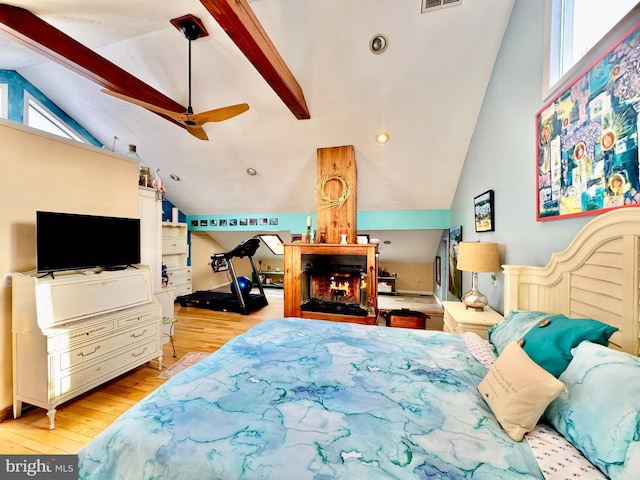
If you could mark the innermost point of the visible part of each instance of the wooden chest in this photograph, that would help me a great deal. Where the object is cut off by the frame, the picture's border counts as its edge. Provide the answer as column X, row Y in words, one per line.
column 406, row 318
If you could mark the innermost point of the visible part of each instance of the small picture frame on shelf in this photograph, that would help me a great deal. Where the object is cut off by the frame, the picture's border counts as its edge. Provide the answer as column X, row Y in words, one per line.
column 483, row 212
column 296, row 237
column 362, row 238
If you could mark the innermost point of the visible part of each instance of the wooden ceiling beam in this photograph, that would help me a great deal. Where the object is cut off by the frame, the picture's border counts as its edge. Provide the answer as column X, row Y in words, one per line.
column 34, row 33
column 238, row 20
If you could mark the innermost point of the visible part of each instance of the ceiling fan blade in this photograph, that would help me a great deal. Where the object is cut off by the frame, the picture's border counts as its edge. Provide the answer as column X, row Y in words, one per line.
column 197, row 132
column 219, row 114
column 179, row 117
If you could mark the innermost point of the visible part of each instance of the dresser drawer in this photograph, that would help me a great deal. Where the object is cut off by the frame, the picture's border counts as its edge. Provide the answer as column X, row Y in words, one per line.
column 174, row 245
column 178, row 280
column 177, row 271
column 93, row 351
column 81, row 380
column 183, row 290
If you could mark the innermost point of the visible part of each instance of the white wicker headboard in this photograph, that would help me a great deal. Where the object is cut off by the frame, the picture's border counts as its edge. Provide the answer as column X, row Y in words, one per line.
column 596, row 276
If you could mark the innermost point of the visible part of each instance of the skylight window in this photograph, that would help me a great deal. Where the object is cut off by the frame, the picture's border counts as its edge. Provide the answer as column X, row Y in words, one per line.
column 572, row 29
column 37, row 116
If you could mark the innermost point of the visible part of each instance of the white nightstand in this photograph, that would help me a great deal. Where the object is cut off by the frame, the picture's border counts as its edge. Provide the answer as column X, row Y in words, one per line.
column 458, row 319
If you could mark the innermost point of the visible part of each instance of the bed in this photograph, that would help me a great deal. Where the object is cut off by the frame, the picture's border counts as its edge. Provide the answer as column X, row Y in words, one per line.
column 312, row 399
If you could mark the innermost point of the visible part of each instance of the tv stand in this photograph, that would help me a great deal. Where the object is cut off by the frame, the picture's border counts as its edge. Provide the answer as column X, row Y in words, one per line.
column 116, row 268
column 74, row 332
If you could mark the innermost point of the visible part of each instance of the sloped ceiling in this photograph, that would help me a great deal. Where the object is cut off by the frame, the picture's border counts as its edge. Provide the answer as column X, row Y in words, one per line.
column 426, row 90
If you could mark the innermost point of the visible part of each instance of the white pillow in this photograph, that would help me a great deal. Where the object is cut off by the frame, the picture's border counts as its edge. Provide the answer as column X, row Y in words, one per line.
column 518, row 391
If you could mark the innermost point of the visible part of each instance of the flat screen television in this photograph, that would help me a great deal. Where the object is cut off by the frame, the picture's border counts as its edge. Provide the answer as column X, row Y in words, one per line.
column 66, row 241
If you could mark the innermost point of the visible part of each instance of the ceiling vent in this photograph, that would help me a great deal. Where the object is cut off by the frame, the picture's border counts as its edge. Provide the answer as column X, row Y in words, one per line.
column 431, row 5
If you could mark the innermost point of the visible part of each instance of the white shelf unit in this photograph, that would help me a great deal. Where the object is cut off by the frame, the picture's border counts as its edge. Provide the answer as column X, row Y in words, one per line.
column 76, row 331
column 175, row 251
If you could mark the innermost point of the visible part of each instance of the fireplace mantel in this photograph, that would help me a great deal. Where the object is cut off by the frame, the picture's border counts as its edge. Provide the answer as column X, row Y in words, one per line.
column 297, row 278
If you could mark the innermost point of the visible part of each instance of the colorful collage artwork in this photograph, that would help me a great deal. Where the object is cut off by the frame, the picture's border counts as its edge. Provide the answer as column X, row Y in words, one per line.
column 587, row 159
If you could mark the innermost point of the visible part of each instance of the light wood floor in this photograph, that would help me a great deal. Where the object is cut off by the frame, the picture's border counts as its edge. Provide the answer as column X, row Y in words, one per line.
column 78, row 421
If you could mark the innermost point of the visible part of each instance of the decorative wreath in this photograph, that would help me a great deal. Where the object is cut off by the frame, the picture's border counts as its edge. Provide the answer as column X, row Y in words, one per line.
column 329, row 202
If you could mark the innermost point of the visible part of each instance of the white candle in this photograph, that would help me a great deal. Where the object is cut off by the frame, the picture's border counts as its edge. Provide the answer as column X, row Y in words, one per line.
column 308, row 221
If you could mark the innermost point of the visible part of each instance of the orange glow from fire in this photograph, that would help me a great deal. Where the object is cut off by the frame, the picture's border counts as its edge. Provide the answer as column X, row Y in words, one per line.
column 344, row 286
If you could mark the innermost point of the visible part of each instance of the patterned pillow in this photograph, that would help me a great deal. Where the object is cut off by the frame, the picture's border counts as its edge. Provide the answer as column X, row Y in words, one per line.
column 518, row 391
column 599, row 411
column 549, row 344
column 513, row 327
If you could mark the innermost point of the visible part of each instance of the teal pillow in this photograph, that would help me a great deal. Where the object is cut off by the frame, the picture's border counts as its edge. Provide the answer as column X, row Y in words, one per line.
column 512, row 328
column 599, row 410
column 549, row 344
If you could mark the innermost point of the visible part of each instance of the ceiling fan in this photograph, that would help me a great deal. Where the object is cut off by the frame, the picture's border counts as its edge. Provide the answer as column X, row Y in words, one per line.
column 192, row 28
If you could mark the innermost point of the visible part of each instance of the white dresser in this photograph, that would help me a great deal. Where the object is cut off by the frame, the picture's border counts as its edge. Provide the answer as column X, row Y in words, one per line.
column 174, row 255
column 76, row 331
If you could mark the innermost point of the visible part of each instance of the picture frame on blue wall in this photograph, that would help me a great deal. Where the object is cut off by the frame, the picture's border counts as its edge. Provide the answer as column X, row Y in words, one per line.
column 483, row 210
column 455, row 275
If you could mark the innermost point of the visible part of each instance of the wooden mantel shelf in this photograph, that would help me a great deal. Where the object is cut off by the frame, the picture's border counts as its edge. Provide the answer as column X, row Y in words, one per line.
column 293, row 278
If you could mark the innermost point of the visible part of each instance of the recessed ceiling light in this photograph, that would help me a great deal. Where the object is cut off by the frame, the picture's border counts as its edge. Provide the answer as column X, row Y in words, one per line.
column 387, row 242
column 378, row 43
column 252, row 171
column 174, row 177
column 382, row 137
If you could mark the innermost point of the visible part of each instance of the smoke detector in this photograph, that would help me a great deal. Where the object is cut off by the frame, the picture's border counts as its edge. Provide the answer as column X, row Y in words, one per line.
column 430, row 5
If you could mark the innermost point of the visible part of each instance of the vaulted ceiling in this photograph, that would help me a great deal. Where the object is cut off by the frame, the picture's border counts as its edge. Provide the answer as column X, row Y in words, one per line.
column 426, row 90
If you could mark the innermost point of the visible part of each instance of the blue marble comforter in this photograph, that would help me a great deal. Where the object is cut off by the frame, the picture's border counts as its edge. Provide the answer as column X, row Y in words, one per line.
column 309, row 399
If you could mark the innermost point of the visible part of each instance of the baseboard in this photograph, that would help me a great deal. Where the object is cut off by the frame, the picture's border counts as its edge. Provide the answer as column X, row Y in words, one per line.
column 415, row 292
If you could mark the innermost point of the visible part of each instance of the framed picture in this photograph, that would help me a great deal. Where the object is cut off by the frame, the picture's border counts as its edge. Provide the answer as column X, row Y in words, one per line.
column 455, row 275
column 587, row 138
column 296, row 237
column 438, row 268
column 483, row 212
column 362, row 238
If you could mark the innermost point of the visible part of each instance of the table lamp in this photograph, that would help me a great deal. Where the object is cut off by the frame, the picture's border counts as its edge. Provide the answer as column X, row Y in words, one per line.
column 477, row 257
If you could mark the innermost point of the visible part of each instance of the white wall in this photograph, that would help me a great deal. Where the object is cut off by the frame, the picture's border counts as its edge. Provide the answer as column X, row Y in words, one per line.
column 41, row 172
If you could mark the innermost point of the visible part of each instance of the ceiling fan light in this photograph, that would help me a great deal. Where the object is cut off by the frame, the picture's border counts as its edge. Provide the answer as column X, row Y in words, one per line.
column 382, row 137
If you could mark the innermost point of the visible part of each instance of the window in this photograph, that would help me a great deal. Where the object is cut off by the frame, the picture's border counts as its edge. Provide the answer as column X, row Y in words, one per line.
column 37, row 116
column 572, row 29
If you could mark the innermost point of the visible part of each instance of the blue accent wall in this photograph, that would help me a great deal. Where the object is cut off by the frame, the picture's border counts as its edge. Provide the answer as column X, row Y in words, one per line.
column 297, row 222
column 15, row 111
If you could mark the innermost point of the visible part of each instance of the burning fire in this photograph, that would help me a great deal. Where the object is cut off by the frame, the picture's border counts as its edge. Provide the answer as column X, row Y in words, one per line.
column 340, row 286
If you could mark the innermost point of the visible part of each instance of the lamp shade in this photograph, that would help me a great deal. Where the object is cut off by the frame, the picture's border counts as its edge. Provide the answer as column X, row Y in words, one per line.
column 478, row 257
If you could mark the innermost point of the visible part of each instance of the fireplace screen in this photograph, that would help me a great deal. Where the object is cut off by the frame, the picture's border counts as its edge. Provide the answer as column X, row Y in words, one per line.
column 335, row 284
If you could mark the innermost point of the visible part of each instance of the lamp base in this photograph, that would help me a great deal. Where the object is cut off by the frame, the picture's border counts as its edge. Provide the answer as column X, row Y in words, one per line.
column 474, row 300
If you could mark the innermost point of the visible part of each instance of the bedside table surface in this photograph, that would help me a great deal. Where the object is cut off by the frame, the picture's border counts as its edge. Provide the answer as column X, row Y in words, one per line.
column 458, row 311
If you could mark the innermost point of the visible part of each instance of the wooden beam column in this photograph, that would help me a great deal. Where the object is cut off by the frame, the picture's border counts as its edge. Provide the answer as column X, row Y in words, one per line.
column 34, row 33
column 337, row 192
column 238, row 20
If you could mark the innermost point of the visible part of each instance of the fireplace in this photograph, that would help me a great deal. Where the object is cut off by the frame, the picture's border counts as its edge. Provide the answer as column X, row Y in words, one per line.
column 335, row 284
column 331, row 282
